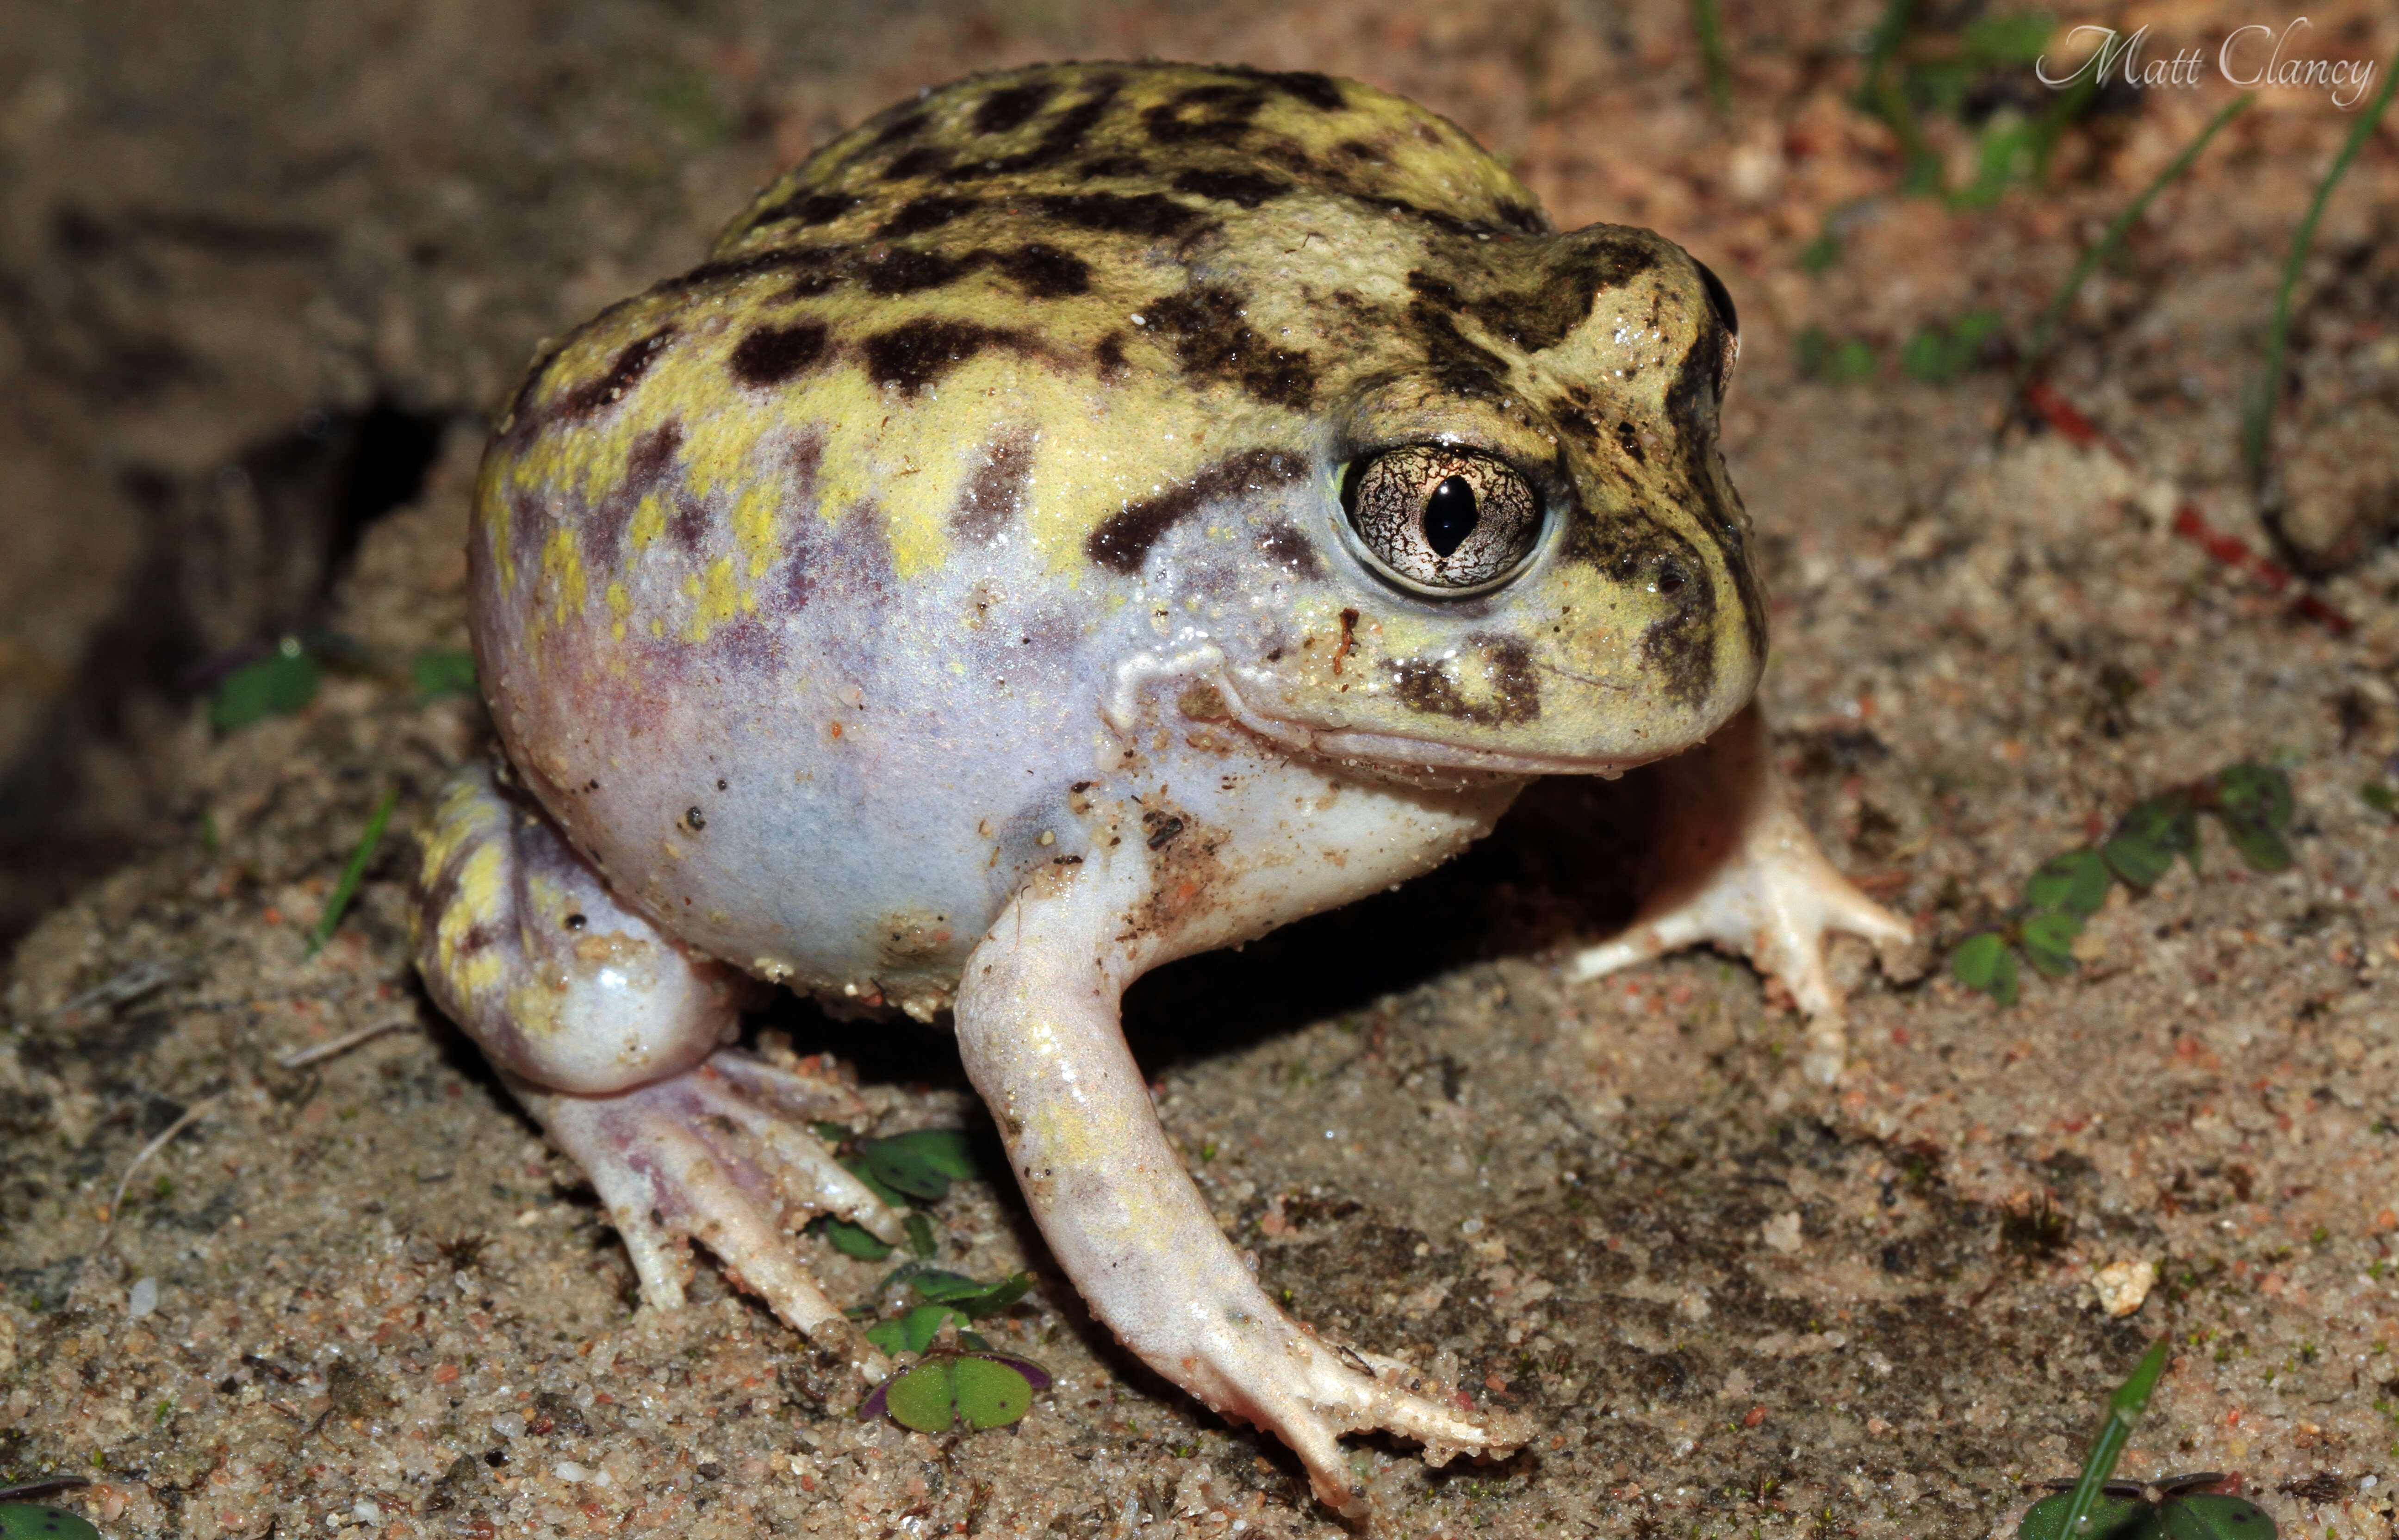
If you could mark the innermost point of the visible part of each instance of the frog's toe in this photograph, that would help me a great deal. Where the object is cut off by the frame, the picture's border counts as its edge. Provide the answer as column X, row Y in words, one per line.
column 1775, row 902
column 719, row 1154
column 1315, row 1392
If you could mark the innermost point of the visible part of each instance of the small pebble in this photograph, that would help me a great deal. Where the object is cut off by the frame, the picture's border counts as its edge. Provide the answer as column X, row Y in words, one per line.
column 508, row 1425
column 143, row 1299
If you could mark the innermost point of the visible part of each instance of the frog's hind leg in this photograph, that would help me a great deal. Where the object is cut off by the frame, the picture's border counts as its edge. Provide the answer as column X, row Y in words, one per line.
column 1039, row 1029
column 1734, row 866
column 612, row 1035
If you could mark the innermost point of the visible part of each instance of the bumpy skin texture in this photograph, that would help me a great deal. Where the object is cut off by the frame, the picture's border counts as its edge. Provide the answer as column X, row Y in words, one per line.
column 943, row 597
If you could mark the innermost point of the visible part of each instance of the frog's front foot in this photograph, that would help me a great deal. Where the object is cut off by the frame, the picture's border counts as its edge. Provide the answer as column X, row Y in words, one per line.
column 1741, row 870
column 608, row 1031
column 1038, row 1030
column 720, row 1155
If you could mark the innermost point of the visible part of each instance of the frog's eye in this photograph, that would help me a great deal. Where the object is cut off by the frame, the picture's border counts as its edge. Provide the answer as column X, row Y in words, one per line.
column 1441, row 519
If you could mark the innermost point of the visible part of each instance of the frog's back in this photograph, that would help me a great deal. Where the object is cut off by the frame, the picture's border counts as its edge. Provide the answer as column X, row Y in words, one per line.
column 840, row 530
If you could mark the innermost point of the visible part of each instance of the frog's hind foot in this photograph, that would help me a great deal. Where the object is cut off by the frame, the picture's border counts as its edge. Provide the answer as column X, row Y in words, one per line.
column 720, row 1155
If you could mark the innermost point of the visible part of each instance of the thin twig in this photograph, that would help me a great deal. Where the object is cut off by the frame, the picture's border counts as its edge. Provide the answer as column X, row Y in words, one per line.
column 299, row 1057
column 2258, row 428
column 2045, row 331
column 192, row 1115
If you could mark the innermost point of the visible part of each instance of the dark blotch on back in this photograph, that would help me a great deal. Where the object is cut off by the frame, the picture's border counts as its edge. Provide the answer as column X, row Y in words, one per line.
column 915, row 355
column 772, row 354
column 1241, row 187
column 1151, row 214
column 1063, row 138
column 1114, row 166
column 1319, row 91
column 1046, row 272
column 906, row 126
column 930, row 212
column 1213, row 342
column 905, row 270
column 1122, row 543
column 1217, row 113
column 652, row 452
column 625, row 372
column 1109, row 355
column 996, row 491
column 1012, row 106
column 808, row 209
column 922, row 161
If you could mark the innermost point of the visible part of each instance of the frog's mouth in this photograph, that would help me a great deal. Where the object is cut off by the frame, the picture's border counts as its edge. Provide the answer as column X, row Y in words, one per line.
column 1402, row 752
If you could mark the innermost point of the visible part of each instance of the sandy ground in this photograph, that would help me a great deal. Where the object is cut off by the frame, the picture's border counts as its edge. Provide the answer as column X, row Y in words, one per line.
column 360, row 1295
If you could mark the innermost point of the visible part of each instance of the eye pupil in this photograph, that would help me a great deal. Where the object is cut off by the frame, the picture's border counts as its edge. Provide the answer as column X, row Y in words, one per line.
column 1450, row 515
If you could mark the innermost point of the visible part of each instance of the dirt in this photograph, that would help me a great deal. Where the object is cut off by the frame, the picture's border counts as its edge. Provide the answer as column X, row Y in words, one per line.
column 264, row 268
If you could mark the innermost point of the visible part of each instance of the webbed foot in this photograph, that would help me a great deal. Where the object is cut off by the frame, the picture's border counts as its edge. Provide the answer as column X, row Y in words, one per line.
column 722, row 1154
column 1739, row 870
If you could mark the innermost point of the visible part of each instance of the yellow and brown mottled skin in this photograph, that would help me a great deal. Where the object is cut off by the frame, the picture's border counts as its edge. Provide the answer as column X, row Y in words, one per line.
column 947, row 594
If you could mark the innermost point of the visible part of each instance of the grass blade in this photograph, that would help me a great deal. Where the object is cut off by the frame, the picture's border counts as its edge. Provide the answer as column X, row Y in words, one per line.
column 338, row 902
column 1707, row 25
column 2045, row 331
column 2259, row 424
column 2124, row 1409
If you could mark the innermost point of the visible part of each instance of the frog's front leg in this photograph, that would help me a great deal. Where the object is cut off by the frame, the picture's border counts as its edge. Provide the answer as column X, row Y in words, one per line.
column 1038, row 1028
column 610, row 1033
column 1733, row 865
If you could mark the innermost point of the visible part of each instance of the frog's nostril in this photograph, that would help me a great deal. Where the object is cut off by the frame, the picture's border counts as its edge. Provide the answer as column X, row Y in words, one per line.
column 1672, row 579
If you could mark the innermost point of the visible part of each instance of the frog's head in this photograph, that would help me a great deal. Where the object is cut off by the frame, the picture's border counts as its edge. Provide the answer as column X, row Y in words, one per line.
column 1539, row 563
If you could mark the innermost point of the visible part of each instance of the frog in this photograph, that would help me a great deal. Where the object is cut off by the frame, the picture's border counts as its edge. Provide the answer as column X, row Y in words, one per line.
column 1083, row 517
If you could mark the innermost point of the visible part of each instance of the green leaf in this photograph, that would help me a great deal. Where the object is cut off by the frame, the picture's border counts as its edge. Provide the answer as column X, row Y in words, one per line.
column 855, row 1240
column 2075, row 881
column 2380, row 798
column 439, row 674
column 990, row 1394
column 888, row 1336
column 1928, row 357
column 2212, row 1516
column 920, row 1326
column 945, row 1150
column 277, row 685
column 891, row 1196
column 2260, row 846
column 987, row 1391
column 2049, row 940
column 2112, row 1519
column 924, row 1399
column 1976, row 961
column 831, row 1132
column 975, row 1300
column 921, row 1164
column 921, row 1234
column 2149, row 838
column 2258, row 793
column 1987, row 963
column 38, row 1521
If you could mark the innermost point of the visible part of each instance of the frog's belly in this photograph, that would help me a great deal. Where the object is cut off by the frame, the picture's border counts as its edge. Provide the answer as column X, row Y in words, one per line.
column 845, row 798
